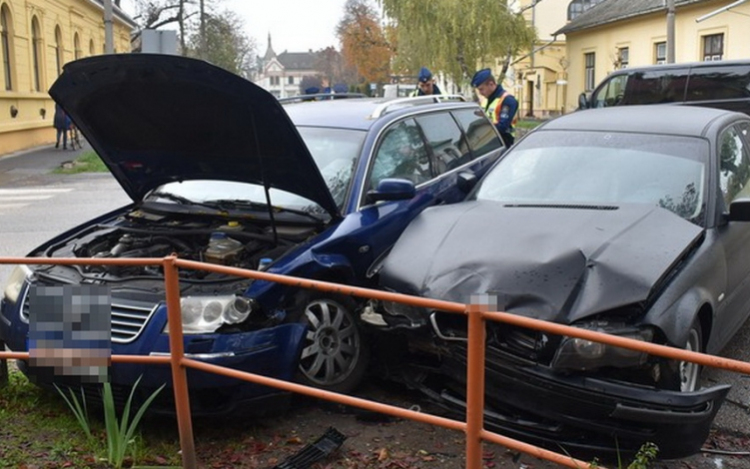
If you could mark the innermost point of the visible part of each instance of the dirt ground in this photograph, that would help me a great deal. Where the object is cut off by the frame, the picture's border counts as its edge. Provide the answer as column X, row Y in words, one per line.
column 377, row 441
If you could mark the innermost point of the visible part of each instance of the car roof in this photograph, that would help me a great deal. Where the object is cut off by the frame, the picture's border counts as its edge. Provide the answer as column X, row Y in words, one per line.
column 659, row 118
column 357, row 113
column 658, row 67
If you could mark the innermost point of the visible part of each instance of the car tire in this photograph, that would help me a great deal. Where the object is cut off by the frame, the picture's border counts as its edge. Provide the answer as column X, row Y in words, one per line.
column 689, row 373
column 335, row 353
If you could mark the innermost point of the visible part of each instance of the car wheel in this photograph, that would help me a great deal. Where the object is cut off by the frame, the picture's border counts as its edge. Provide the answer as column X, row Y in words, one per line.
column 690, row 372
column 335, row 353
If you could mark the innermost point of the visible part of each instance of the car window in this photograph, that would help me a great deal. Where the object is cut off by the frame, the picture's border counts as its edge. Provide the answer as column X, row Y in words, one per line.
column 562, row 168
column 479, row 131
column 335, row 152
column 611, row 93
column 727, row 82
column 401, row 153
column 734, row 166
column 655, row 87
column 447, row 142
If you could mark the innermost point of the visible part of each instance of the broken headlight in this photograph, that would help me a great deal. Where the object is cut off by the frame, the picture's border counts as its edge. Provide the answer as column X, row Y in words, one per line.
column 581, row 354
column 206, row 314
column 416, row 315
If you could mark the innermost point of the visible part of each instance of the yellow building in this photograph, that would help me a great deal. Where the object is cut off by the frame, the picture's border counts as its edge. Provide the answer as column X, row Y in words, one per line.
column 37, row 37
column 626, row 33
column 538, row 76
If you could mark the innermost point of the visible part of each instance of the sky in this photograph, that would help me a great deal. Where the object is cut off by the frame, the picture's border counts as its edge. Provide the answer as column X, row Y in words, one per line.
column 294, row 25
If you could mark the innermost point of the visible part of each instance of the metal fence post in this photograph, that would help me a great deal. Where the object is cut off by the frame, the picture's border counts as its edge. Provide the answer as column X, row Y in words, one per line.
column 475, row 387
column 179, row 374
column 3, row 367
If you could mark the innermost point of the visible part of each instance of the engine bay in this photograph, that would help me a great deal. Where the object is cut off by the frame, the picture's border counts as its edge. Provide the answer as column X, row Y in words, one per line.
column 135, row 236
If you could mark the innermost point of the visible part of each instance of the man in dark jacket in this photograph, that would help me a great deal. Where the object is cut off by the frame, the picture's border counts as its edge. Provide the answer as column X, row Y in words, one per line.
column 61, row 122
column 501, row 107
column 426, row 85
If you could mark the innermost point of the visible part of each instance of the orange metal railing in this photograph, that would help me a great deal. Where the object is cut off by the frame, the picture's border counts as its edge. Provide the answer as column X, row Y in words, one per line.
column 473, row 427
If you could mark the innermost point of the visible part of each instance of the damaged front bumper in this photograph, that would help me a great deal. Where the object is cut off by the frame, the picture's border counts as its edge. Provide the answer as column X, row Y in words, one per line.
column 584, row 416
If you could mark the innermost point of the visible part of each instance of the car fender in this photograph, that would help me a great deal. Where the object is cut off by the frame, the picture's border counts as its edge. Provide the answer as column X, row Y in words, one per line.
column 697, row 283
column 676, row 320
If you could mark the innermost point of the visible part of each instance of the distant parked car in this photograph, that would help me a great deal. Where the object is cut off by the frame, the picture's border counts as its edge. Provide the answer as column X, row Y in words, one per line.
column 219, row 171
column 631, row 221
column 723, row 84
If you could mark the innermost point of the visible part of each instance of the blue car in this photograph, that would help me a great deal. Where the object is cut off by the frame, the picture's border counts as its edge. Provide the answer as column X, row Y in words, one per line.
column 219, row 171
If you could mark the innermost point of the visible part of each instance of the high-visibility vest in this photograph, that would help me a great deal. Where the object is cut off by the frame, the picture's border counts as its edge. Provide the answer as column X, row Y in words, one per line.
column 493, row 111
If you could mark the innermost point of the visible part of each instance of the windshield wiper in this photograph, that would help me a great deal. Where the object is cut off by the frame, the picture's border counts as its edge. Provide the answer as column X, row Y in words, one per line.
column 179, row 199
column 226, row 204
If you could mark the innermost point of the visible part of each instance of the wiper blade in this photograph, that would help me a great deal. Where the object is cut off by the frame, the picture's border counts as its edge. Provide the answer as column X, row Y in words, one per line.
column 226, row 204
column 179, row 199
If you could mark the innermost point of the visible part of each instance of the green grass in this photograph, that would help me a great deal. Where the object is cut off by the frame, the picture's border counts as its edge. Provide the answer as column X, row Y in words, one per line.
column 88, row 162
column 37, row 427
column 527, row 123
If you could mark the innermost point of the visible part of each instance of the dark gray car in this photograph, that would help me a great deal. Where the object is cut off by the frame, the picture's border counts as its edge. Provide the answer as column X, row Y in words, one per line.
column 630, row 221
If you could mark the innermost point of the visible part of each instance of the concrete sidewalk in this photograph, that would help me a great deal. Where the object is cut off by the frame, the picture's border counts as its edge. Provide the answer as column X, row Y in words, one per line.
column 35, row 161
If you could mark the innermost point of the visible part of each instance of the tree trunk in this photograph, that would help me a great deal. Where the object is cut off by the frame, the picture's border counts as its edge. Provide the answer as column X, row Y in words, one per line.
column 181, row 21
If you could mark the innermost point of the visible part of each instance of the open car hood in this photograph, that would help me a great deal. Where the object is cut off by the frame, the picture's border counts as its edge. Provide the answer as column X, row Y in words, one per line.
column 558, row 264
column 155, row 119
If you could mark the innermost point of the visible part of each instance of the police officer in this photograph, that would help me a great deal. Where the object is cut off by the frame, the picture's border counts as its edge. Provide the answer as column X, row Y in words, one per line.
column 426, row 85
column 501, row 106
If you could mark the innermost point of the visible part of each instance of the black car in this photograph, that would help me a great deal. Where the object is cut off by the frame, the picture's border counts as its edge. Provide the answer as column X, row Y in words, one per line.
column 630, row 221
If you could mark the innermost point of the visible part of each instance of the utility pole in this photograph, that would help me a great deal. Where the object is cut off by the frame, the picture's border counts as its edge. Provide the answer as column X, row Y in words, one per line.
column 109, row 42
column 670, row 31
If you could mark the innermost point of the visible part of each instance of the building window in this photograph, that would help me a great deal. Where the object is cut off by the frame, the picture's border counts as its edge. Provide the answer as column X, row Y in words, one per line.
column 590, row 59
column 77, row 52
column 713, row 47
column 576, row 7
column 275, row 81
column 7, row 37
column 290, row 80
column 623, row 57
column 91, row 47
column 660, row 53
column 36, row 50
column 58, row 50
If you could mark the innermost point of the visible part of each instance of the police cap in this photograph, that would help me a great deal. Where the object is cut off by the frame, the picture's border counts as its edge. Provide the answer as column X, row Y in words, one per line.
column 425, row 75
column 480, row 77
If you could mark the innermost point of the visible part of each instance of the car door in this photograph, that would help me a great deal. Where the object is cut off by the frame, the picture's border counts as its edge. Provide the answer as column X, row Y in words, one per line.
column 734, row 182
column 430, row 150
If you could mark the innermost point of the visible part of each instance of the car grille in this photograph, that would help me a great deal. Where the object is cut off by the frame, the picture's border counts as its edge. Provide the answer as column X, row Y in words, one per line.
column 128, row 320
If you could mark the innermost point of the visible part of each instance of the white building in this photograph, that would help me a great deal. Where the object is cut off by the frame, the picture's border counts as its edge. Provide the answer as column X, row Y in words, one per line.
column 282, row 74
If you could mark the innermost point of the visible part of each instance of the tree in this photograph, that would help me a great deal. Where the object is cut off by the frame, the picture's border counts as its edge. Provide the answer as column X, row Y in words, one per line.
column 331, row 65
column 363, row 42
column 457, row 37
column 224, row 43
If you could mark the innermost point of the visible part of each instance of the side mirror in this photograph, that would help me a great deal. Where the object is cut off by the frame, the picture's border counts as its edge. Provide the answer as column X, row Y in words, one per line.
column 583, row 102
column 466, row 181
column 739, row 209
column 392, row 189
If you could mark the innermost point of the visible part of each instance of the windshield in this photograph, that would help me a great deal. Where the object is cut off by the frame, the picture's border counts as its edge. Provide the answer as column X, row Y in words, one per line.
column 602, row 168
column 335, row 152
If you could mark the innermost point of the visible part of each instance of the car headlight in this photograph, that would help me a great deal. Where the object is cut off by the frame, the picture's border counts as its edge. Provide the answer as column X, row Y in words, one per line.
column 206, row 314
column 581, row 354
column 15, row 282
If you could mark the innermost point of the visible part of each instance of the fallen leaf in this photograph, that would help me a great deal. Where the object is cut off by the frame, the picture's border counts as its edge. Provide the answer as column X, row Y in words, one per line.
column 383, row 454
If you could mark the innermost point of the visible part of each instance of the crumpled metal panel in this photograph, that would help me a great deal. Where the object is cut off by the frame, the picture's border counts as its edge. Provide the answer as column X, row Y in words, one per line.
column 551, row 263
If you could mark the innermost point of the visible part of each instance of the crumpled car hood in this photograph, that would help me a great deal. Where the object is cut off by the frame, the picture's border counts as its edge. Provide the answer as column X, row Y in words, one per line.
column 553, row 263
column 156, row 118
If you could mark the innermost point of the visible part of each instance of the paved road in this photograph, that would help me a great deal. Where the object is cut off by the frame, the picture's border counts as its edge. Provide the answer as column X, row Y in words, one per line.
column 28, row 190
